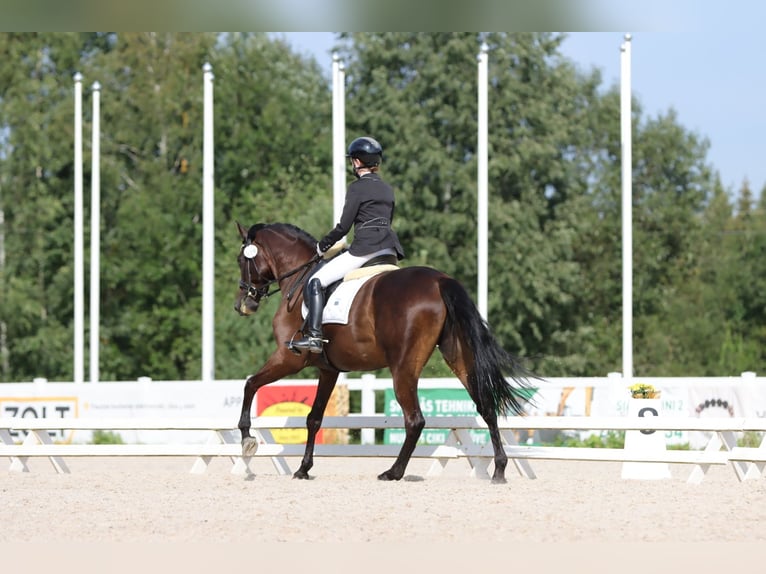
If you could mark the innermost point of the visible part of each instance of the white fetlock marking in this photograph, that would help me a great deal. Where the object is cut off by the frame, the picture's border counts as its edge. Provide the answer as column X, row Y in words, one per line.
column 249, row 447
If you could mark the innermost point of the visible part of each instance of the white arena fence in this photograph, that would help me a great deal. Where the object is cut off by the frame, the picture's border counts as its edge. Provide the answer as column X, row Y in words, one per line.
column 190, row 418
column 223, row 441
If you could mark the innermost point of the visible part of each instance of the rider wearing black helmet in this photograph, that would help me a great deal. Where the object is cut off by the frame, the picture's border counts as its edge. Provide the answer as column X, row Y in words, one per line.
column 367, row 151
column 369, row 208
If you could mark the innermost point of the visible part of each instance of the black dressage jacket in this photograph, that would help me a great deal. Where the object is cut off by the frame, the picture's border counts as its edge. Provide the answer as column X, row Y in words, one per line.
column 369, row 207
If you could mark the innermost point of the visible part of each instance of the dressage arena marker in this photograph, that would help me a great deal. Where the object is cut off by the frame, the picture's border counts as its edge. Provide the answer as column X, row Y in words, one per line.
column 721, row 449
column 644, row 441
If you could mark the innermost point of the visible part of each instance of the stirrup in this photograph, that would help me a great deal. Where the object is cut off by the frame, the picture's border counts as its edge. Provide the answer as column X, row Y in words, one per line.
column 309, row 343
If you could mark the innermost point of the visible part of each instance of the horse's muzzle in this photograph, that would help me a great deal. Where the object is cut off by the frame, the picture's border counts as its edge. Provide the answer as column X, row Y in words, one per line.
column 246, row 306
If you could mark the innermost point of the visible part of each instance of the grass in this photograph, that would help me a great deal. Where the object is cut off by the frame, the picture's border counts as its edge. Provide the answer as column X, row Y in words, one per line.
column 106, row 437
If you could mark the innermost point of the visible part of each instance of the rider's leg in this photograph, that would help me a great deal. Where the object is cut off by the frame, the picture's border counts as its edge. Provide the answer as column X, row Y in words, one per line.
column 314, row 297
column 330, row 272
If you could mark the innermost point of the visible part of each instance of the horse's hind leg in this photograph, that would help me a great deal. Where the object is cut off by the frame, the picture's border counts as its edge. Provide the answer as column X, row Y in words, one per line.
column 327, row 380
column 454, row 356
column 407, row 395
column 501, row 459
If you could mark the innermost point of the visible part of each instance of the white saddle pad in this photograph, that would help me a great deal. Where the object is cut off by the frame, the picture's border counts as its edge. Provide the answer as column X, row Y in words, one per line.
column 337, row 307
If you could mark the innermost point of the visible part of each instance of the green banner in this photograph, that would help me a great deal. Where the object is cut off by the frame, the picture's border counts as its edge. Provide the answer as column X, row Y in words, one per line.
column 434, row 403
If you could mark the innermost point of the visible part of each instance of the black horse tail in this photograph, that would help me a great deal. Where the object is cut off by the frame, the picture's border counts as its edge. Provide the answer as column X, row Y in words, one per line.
column 491, row 363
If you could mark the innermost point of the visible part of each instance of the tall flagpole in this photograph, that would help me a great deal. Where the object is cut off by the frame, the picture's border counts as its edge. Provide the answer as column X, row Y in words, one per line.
column 95, row 236
column 79, row 274
column 627, row 210
column 208, row 231
column 338, row 137
column 482, row 181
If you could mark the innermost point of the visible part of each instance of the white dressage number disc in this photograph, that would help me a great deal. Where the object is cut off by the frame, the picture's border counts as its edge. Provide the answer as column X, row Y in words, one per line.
column 250, row 251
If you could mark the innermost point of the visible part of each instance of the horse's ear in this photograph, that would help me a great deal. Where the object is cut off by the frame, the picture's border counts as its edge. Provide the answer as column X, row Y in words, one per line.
column 242, row 231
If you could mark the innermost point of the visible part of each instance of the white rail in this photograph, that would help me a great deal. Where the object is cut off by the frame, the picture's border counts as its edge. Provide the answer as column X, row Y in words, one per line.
column 224, row 441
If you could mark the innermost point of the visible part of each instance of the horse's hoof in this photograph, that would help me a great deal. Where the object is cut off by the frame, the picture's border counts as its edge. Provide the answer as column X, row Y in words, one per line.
column 499, row 480
column 301, row 474
column 388, row 475
column 249, row 446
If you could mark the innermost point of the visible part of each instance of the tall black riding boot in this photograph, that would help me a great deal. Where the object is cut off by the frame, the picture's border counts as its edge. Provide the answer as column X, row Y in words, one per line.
column 312, row 340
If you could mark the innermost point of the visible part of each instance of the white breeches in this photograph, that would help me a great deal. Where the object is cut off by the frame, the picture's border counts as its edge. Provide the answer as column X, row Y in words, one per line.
column 337, row 268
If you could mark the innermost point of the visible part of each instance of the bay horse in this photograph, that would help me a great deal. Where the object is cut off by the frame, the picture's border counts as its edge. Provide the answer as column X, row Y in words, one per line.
column 397, row 320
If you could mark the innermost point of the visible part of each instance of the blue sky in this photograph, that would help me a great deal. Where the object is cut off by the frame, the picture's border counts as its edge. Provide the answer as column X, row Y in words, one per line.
column 715, row 79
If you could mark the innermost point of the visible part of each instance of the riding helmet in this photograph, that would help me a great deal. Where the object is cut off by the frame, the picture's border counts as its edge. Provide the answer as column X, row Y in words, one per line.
column 367, row 149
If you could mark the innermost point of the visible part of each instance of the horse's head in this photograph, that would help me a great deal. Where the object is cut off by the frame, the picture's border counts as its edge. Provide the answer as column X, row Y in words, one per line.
column 255, row 274
column 269, row 254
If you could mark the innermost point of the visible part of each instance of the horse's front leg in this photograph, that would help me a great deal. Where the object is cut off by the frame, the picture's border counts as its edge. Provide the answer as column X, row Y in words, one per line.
column 275, row 368
column 327, row 380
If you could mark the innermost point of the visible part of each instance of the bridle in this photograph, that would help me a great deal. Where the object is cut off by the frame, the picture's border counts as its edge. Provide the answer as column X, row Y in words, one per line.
column 262, row 287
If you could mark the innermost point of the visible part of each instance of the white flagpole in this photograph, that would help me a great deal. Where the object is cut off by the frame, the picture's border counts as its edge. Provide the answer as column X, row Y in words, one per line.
column 627, row 211
column 482, row 181
column 338, row 136
column 208, row 231
column 95, row 236
column 79, row 279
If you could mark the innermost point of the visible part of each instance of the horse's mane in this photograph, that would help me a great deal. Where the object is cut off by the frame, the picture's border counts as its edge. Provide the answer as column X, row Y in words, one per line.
column 303, row 235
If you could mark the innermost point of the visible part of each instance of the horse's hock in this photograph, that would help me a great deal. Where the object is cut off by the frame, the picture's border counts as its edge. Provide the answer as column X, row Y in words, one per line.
column 338, row 405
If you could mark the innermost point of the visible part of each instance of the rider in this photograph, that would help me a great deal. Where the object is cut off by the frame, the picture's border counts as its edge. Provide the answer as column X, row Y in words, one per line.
column 369, row 207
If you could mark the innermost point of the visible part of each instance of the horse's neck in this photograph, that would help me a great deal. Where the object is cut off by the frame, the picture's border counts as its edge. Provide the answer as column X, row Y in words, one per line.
column 281, row 254
column 290, row 270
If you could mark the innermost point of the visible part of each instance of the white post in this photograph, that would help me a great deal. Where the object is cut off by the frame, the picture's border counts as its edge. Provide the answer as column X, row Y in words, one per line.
column 95, row 236
column 482, row 183
column 338, row 136
column 79, row 279
column 627, row 212
column 208, row 232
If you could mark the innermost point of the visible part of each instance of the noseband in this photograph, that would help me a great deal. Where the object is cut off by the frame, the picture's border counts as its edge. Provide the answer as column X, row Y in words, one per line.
column 256, row 293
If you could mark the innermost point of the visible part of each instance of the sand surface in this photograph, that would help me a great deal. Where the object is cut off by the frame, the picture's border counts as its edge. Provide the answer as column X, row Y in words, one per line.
column 158, row 499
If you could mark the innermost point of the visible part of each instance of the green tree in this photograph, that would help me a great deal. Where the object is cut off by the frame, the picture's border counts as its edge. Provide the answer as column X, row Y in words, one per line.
column 36, row 171
column 747, row 276
column 273, row 163
column 671, row 187
column 151, row 204
column 555, row 198
column 272, row 160
column 417, row 93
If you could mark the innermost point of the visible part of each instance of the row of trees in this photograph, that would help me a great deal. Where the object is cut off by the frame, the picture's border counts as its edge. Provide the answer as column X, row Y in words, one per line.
column 554, row 169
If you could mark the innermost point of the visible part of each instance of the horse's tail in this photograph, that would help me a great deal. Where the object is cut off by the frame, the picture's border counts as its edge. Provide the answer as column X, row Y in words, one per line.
column 491, row 363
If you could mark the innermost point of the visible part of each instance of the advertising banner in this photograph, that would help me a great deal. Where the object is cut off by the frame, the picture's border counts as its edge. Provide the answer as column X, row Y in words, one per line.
column 289, row 401
column 743, row 396
column 434, row 403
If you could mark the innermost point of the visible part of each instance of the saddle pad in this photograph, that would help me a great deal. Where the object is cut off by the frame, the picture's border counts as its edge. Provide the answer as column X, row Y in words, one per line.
column 372, row 270
column 337, row 307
